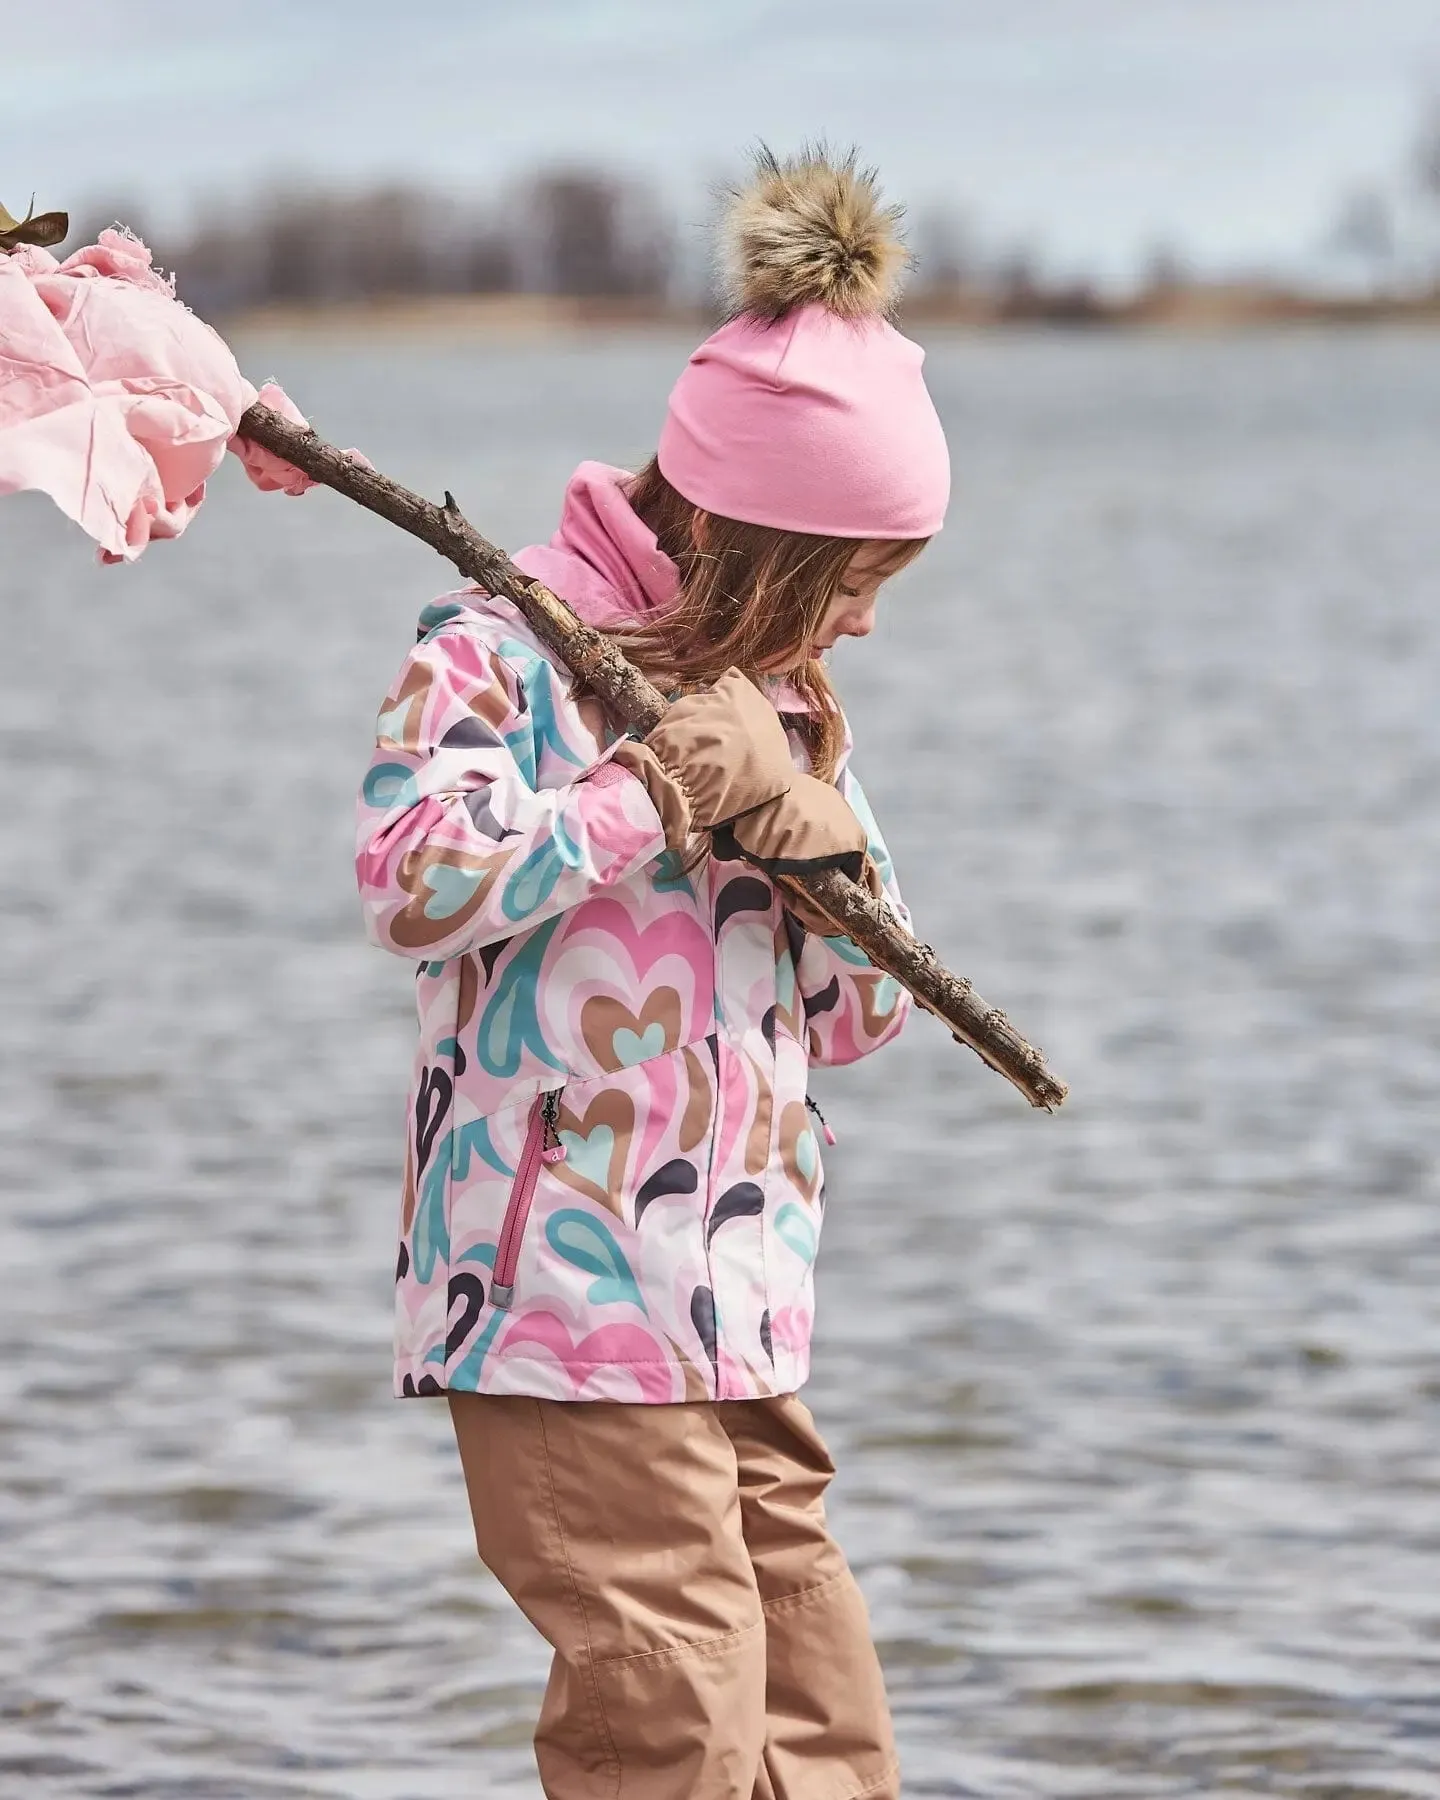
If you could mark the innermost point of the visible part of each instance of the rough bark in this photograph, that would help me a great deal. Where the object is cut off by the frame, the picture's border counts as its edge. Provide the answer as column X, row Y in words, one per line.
column 597, row 661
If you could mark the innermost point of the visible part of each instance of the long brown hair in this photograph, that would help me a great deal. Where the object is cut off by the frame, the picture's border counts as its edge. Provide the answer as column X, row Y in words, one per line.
column 751, row 597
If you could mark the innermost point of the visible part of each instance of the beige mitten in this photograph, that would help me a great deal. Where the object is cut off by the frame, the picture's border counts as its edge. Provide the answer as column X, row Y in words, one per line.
column 811, row 827
column 714, row 757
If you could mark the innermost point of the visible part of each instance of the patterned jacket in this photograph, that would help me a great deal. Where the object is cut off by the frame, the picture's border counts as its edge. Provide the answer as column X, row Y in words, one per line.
column 612, row 1183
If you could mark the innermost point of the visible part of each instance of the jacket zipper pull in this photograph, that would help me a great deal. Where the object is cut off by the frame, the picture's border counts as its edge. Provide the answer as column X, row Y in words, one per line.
column 537, row 1149
column 825, row 1131
column 551, row 1149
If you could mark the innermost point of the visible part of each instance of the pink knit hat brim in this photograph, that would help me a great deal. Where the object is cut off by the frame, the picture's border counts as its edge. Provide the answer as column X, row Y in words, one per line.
column 811, row 423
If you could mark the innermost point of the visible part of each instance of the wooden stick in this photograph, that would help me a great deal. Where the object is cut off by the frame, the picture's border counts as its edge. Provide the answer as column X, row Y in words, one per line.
column 596, row 660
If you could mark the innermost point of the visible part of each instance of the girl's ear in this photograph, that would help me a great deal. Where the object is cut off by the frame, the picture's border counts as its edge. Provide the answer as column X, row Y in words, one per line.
column 699, row 528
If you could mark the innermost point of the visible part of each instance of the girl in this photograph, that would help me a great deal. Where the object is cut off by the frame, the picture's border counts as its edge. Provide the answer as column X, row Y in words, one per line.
column 613, row 1190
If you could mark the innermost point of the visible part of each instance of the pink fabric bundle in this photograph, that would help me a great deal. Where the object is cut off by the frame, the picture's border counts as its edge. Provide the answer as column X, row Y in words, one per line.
column 115, row 399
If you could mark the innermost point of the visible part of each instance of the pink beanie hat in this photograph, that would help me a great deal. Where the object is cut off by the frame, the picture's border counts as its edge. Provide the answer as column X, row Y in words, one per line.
column 808, row 410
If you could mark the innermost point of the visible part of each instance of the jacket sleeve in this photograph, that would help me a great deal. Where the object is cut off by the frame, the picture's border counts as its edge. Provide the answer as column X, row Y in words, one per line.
column 850, row 1007
column 458, row 846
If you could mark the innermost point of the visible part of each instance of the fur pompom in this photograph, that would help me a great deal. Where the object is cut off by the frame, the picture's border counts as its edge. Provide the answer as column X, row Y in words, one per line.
column 809, row 230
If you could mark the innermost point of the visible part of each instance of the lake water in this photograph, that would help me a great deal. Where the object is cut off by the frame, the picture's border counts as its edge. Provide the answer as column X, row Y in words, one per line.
column 1136, row 1406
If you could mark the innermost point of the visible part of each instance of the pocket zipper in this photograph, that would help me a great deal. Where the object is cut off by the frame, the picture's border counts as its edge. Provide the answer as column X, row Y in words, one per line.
column 825, row 1130
column 542, row 1145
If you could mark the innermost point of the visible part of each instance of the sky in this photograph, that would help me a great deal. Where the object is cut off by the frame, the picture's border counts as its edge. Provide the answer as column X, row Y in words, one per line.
column 1091, row 130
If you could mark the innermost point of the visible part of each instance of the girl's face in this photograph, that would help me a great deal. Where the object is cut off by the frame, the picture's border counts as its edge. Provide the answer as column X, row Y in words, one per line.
column 851, row 613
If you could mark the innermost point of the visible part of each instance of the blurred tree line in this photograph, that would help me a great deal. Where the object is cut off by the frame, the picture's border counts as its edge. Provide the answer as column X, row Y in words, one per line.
column 1387, row 234
column 588, row 234
column 575, row 232
column 578, row 233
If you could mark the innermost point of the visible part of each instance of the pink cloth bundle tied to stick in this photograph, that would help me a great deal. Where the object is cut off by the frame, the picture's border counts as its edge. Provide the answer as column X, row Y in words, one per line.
column 115, row 400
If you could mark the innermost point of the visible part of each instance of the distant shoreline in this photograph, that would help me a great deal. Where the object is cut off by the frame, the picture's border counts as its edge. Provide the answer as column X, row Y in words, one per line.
column 542, row 317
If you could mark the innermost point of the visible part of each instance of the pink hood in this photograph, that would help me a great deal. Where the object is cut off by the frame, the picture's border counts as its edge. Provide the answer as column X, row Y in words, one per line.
column 603, row 559
column 605, row 562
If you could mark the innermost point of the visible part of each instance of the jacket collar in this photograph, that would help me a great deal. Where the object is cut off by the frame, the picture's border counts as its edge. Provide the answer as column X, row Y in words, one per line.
column 604, row 561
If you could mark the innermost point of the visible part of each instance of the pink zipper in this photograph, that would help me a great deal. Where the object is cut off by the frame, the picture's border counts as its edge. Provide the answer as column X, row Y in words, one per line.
column 542, row 1145
column 828, row 1134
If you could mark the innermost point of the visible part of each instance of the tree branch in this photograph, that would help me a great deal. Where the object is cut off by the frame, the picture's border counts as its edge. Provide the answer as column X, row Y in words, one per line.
column 597, row 662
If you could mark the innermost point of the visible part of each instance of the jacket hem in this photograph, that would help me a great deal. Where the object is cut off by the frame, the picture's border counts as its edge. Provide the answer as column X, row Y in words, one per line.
column 625, row 1383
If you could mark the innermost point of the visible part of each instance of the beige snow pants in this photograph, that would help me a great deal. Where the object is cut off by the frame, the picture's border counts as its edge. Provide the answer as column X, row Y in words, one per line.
column 710, row 1641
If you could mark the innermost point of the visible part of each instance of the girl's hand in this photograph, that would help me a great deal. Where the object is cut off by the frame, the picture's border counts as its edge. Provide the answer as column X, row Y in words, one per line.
column 720, row 761
column 714, row 756
column 810, row 828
